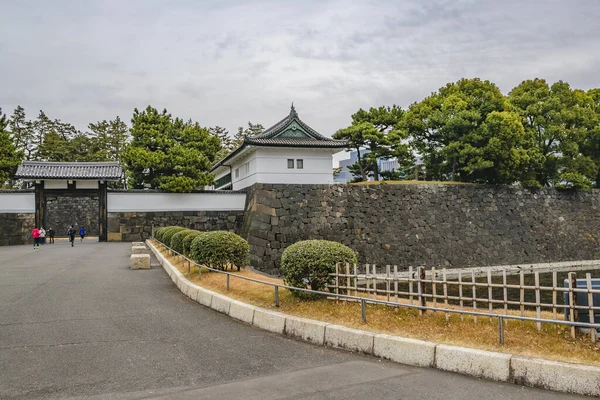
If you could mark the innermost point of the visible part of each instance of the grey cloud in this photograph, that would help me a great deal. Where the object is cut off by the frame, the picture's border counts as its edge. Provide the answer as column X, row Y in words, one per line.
column 229, row 62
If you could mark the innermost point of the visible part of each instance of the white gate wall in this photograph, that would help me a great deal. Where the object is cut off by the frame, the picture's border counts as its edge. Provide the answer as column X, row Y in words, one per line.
column 154, row 201
column 17, row 203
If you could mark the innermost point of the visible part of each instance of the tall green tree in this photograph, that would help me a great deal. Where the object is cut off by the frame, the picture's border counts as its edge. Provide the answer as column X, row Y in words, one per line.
column 500, row 152
column 22, row 133
column 169, row 154
column 373, row 130
column 227, row 144
column 242, row 133
column 590, row 143
column 111, row 138
column 10, row 156
column 559, row 119
column 444, row 127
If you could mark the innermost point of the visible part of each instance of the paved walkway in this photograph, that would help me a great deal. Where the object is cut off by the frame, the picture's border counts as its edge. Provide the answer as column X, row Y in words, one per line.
column 76, row 322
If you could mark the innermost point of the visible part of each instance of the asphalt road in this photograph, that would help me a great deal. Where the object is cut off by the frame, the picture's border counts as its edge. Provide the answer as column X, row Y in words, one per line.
column 77, row 323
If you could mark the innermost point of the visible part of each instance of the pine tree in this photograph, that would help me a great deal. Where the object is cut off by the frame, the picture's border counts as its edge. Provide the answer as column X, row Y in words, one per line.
column 10, row 156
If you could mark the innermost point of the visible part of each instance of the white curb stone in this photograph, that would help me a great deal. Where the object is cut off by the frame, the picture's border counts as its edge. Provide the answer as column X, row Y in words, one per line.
column 349, row 339
column 220, row 303
column 269, row 320
column 204, row 297
column 139, row 261
column 404, row 350
column 555, row 375
column 193, row 292
column 138, row 250
column 306, row 329
column 479, row 363
column 241, row 311
column 138, row 244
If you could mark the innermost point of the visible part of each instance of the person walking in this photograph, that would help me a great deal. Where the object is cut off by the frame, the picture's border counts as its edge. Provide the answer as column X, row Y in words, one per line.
column 82, row 233
column 50, row 235
column 36, row 237
column 71, row 235
column 42, row 235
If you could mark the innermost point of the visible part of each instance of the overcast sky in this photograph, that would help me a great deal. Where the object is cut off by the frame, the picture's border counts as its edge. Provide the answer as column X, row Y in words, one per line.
column 228, row 62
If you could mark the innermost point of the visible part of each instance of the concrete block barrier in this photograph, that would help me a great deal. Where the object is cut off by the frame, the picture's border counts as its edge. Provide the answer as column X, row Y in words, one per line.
column 139, row 250
column 241, row 311
column 478, row 363
column 134, row 244
column 349, row 339
column 269, row 320
column 306, row 329
column 404, row 350
column 139, row 261
column 204, row 297
column 220, row 303
column 555, row 375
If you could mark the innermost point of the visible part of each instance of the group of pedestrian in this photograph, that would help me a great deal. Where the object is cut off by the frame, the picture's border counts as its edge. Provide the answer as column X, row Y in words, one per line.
column 39, row 235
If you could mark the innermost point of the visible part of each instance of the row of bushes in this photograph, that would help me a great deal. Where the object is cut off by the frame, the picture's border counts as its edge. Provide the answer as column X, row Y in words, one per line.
column 305, row 264
column 218, row 249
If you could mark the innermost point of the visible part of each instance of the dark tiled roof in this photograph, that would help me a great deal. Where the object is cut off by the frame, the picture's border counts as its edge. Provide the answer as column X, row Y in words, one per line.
column 269, row 138
column 295, row 142
column 279, row 127
column 69, row 170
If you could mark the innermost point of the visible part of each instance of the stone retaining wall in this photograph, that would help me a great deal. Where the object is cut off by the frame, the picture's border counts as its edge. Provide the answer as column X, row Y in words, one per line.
column 15, row 229
column 426, row 224
column 64, row 211
column 137, row 226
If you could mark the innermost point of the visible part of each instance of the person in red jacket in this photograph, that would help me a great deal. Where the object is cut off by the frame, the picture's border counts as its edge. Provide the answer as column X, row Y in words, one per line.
column 36, row 237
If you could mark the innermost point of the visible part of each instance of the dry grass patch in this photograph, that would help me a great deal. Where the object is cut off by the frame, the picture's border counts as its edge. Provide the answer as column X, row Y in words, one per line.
column 378, row 183
column 520, row 339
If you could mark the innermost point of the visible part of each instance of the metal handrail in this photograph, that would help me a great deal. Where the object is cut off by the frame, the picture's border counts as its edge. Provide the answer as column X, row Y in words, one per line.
column 365, row 300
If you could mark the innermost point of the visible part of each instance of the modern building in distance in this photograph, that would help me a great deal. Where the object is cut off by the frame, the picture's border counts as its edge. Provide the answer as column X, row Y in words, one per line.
column 288, row 152
column 344, row 176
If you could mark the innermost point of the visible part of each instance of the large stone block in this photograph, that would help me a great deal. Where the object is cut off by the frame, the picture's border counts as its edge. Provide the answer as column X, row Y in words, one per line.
column 306, row 329
column 554, row 375
column 139, row 261
column 269, row 320
column 404, row 350
column 349, row 339
column 479, row 363
column 139, row 250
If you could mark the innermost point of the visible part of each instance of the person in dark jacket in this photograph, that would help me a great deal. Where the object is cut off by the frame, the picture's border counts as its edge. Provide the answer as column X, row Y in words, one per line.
column 50, row 235
column 71, row 235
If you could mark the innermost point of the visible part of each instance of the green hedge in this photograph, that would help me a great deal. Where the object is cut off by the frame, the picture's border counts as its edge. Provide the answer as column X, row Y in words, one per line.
column 177, row 240
column 158, row 232
column 307, row 264
column 187, row 242
column 219, row 249
column 167, row 235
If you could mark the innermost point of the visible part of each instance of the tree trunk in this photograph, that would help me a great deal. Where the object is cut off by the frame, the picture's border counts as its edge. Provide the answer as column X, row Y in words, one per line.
column 363, row 171
column 376, row 171
column 598, row 179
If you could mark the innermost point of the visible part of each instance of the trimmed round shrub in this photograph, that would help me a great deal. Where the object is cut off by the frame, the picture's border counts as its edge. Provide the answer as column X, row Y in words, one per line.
column 187, row 242
column 307, row 264
column 219, row 249
column 158, row 232
column 168, row 234
column 177, row 240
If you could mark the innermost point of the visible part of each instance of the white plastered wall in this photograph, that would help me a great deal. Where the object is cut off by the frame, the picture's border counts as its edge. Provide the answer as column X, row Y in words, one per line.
column 18, row 203
column 154, row 201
